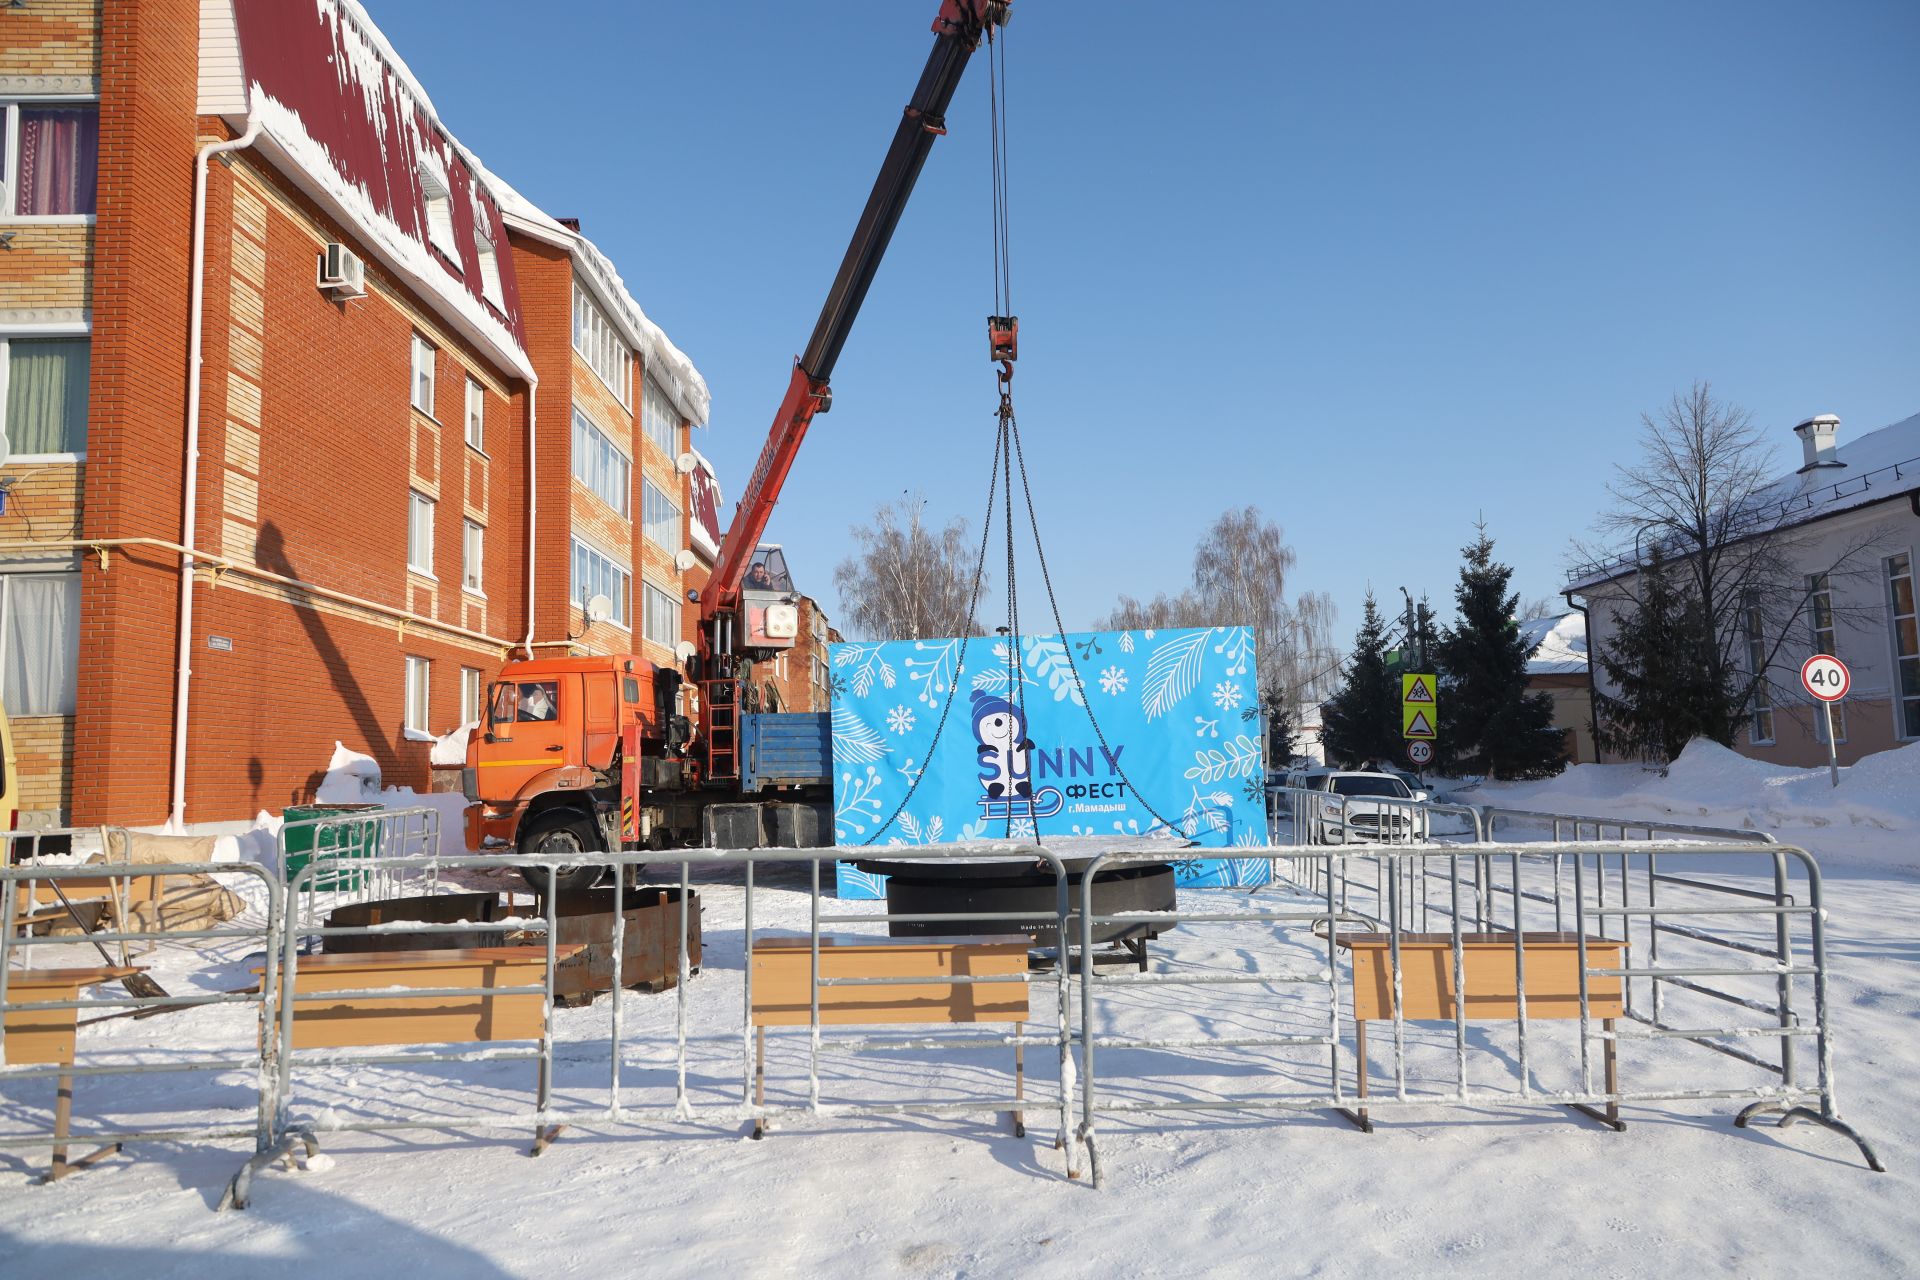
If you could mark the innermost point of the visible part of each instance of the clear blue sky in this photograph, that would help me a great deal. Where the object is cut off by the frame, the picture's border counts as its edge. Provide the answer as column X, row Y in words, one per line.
column 1378, row 269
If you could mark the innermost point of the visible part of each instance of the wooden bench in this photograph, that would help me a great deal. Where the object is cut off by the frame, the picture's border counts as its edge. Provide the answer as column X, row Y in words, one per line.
column 1489, row 972
column 784, row 993
column 357, row 1021
column 46, row 1036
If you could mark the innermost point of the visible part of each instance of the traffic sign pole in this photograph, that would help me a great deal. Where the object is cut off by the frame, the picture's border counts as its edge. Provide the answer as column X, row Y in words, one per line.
column 1833, row 749
column 1827, row 679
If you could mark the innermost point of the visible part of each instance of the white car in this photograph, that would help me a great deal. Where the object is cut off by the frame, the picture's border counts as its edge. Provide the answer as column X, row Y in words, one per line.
column 1366, row 810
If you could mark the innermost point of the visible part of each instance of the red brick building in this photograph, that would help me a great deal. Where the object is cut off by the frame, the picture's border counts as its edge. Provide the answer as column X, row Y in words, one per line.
column 373, row 407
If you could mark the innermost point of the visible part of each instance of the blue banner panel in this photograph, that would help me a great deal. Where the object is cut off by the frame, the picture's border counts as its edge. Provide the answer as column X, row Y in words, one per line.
column 1018, row 753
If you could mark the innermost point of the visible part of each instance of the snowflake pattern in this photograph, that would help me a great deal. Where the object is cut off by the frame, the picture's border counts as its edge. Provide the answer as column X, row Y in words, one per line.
column 1113, row 681
column 1227, row 695
column 900, row 720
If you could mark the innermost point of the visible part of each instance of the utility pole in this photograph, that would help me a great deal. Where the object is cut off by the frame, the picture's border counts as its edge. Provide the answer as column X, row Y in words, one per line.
column 1418, row 660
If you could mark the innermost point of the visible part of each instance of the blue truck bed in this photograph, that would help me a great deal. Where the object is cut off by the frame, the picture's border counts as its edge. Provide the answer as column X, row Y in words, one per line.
column 786, row 749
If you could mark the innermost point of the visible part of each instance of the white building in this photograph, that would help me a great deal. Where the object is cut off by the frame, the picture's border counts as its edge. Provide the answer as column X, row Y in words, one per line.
column 1862, row 497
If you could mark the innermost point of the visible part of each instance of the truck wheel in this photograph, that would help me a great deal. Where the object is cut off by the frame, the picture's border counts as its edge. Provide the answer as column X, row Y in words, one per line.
column 559, row 835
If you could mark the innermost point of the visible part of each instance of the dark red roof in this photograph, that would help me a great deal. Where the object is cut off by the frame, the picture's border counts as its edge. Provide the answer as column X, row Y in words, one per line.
column 320, row 62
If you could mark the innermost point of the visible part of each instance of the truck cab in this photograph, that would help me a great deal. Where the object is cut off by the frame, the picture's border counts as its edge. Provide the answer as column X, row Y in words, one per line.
column 578, row 755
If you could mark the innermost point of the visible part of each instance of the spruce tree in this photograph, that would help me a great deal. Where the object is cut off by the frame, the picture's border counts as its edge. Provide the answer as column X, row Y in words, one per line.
column 1493, row 724
column 1658, row 664
column 1362, row 721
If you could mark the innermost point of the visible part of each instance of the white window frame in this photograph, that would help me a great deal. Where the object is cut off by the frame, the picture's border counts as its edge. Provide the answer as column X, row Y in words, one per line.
column 418, row 696
column 1826, row 639
column 6, row 604
column 596, row 457
column 598, row 343
column 473, row 692
column 71, row 329
column 473, row 558
column 436, row 200
column 659, row 418
column 10, row 174
column 668, row 601
column 660, row 516
column 622, row 597
column 476, row 424
column 424, row 354
column 1761, row 703
column 417, row 562
column 1895, row 690
column 491, row 290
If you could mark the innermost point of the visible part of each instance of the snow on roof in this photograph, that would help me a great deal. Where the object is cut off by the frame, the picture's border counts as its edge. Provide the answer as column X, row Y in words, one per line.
column 354, row 128
column 1879, row 465
column 1556, row 645
column 666, row 364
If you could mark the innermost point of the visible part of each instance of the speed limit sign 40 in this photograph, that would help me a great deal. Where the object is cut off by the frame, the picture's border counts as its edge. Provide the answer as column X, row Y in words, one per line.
column 1826, row 677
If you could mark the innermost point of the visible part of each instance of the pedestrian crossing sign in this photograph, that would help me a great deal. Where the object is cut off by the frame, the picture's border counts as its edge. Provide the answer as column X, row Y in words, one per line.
column 1416, row 721
column 1417, row 688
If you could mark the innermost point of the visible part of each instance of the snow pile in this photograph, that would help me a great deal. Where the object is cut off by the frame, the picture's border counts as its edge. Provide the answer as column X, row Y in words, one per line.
column 351, row 778
column 451, row 747
column 1710, row 785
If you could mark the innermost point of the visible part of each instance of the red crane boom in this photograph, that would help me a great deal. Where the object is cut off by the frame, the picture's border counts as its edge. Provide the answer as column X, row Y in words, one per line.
column 958, row 30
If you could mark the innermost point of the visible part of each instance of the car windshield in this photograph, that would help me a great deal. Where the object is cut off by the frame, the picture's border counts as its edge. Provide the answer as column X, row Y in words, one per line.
column 1361, row 784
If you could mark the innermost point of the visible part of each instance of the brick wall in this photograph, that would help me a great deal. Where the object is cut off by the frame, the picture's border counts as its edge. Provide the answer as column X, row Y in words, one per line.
column 55, row 38
column 42, row 746
column 147, row 66
column 310, row 449
column 47, row 267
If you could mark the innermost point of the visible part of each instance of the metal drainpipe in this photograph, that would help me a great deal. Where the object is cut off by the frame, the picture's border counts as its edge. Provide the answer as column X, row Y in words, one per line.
column 1593, row 697
column 533, row 497
column 183, row 668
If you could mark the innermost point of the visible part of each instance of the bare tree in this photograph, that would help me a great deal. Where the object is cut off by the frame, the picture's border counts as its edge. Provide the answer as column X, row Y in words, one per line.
column 907, row 581
column 1704, row 497
column 1240, row 574
column 1531, row 607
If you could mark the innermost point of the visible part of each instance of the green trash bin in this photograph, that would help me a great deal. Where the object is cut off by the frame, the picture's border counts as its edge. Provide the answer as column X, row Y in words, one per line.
column 306, row 836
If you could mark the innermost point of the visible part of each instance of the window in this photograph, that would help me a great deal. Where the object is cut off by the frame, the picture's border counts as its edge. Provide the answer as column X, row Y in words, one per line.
column 39, row 642
column 662, row 625
column 661, row 515
column 601, row 346
column 1760, row 706
column 45, row 382
column 1906, row 645
column 660, row 418
column 470, row 695
column 51, row 156
column 490, row 274
column 476, row 415
column 595, row 574
column 420, row 533
column 822, row 682
column 599, row 464
column 1820, row 596
column 439, row 203
column 419, row 671
column 472, row 545
column 423, row 353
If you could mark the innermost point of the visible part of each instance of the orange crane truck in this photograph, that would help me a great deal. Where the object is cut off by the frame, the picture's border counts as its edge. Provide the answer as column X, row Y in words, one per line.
column 577, row 754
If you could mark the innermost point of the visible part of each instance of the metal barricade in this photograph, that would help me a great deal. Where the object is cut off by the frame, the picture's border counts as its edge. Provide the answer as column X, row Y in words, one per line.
column 46, row 1028
column 546, row 1118
column 1701, row 920
column 364, row 852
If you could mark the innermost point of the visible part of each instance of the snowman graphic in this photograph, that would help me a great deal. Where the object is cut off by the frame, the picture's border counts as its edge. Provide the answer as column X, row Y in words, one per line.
column 1005, row 754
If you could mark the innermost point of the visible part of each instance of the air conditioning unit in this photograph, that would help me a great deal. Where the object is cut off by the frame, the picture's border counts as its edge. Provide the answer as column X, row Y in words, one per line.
column 342, row 273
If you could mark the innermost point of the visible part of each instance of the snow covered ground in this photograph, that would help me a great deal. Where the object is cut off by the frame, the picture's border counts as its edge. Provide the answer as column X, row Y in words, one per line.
column 1435, row 1191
